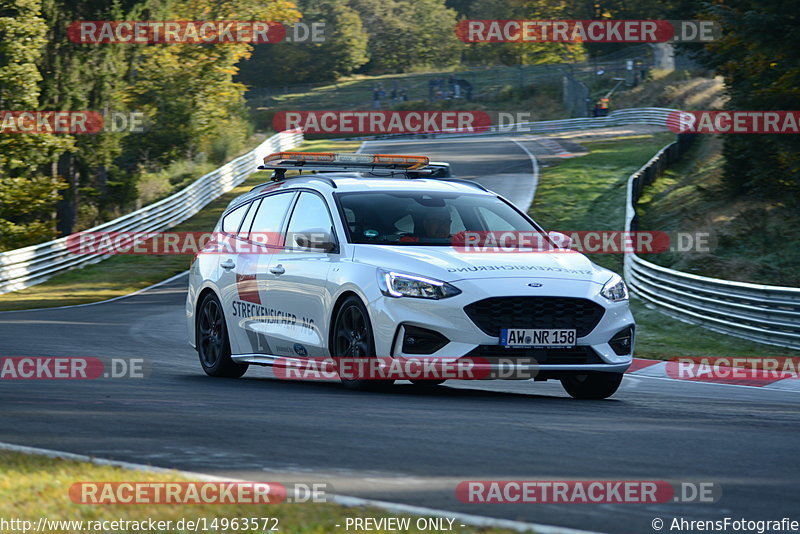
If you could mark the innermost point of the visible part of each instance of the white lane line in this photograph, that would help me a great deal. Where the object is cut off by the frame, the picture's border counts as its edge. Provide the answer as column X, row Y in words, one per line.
column 343, row 500
column 535, row 164
column 763, row 388
column 148, row 288
column 363, row 146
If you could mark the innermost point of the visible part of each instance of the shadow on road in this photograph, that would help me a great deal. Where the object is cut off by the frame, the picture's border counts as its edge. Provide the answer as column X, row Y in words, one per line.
column 443, row 391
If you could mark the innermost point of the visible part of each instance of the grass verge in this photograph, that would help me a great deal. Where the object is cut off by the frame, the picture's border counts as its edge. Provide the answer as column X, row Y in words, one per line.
column 588, row 193
column 751, row 239
column 32, row 487
column 120, row 275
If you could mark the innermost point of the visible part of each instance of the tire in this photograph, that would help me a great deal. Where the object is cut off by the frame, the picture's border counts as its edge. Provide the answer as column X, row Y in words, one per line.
column 592, row 386
column 213, row 344
column 353, row 338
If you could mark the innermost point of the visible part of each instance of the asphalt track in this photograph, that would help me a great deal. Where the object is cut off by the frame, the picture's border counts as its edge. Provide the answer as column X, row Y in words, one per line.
column 504, row 166
column 405, row 445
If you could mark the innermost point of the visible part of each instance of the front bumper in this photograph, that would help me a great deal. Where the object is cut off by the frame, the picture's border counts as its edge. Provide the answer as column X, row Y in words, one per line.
column 447, row 317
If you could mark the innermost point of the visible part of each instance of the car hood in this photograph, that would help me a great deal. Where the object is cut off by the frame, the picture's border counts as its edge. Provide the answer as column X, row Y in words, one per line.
column 450, row 265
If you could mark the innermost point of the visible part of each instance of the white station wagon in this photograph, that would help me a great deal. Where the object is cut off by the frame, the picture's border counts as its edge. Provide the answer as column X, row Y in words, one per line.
column 357, row 256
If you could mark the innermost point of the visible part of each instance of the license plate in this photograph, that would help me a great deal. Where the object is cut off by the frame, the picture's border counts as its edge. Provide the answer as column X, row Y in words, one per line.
column 537, row 337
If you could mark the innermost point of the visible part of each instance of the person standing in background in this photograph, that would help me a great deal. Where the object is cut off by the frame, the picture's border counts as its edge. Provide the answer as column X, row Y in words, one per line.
column 376, row 97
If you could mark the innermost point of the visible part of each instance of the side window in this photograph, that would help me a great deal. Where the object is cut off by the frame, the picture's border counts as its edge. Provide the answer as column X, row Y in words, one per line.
column 269, row 219
column 310, row 213
column 231, row 222
column 244, row 231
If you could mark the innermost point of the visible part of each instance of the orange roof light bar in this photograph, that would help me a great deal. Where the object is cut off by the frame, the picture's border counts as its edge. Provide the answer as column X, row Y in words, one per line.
column 414, row 162
column 409, row 162
column 301, row 156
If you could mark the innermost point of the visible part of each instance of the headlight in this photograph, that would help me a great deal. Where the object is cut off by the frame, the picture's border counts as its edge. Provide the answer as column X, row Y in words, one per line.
column 615, row 289
column 394, row 284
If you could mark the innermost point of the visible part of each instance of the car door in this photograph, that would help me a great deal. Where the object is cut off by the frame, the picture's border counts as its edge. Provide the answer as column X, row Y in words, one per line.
column 257, row 239
column 227, row 279
column 297, row 281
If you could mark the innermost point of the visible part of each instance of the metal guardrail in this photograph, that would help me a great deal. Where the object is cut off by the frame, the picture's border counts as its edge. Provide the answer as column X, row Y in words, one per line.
column 622, row 117
column 767, row 314
column 31, row 265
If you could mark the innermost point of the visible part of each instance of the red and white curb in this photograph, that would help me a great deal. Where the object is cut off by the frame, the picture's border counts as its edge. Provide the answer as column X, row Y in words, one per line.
column 671, row 370
column 554, row 147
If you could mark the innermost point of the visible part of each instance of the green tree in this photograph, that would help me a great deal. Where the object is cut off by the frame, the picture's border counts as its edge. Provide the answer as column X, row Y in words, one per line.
column 529, row 53
column 343, row 50
column 757, row 56
column 405, row 34
column 80, row 77
column 27, row 194
column 189, row 90
column 195, row 107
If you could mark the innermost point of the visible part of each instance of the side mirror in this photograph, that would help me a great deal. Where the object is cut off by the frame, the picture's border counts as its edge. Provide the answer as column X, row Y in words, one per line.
column 315, row 239
column 561, row 240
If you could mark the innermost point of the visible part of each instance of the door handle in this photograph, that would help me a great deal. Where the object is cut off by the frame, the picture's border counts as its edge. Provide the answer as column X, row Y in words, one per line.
column 278, row 269
column 228, row 264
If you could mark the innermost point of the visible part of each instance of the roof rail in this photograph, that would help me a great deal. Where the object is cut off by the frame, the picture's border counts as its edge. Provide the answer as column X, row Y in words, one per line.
column 275, row 179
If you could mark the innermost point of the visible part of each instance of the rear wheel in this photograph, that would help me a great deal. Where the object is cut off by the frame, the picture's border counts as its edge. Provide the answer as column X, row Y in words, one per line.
column 213, row 345
column 593, row 386
column 352, row 339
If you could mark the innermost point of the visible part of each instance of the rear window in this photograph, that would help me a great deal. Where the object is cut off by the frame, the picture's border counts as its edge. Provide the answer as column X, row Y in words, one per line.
column 231, row 222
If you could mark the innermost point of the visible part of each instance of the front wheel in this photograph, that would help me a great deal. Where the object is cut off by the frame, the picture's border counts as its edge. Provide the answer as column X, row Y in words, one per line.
column 213, row 345
column 352, row 339
column 592, row 386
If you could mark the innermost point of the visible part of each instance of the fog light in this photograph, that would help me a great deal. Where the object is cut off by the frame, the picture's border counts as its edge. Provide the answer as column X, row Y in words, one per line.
column 622, row 342
column 418, row 340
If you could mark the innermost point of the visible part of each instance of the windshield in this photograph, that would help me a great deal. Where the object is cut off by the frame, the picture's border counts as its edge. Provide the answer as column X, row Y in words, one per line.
column 405, row 218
